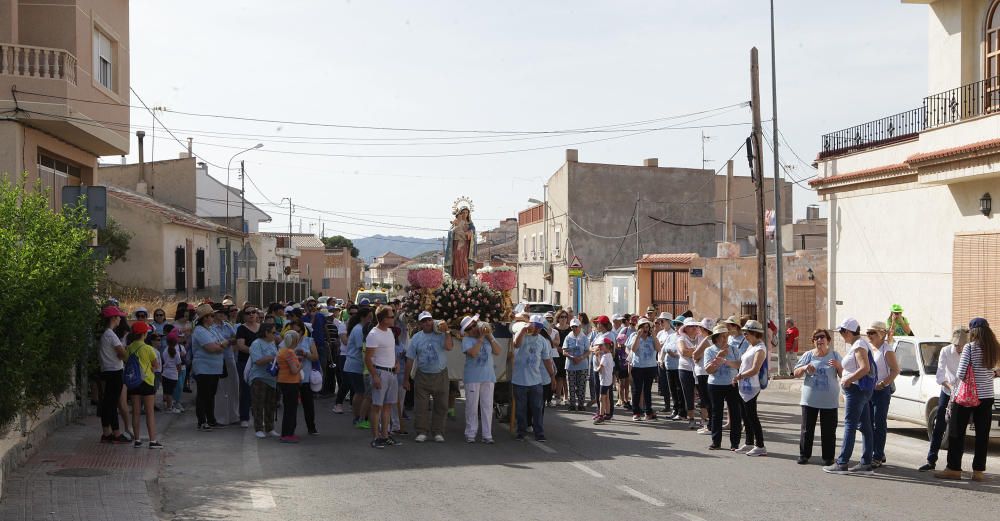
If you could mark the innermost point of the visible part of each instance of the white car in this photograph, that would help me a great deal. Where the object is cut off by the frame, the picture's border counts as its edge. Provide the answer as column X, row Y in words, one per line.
column 917, row 390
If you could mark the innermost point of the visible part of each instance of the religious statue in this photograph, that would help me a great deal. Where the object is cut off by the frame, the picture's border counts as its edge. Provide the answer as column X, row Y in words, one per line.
column 460, row 252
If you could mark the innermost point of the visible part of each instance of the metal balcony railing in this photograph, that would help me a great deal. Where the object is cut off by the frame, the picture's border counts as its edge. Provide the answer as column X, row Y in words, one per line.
column 874, row 133
column 37, row 62
column 965, row 102
column 951, row 106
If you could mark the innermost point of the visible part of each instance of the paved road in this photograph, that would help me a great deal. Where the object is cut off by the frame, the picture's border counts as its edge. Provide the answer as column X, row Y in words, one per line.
column 588, row 472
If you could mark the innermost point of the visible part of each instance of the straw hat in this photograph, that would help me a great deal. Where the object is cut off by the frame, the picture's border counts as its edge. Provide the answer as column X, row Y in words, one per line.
column 203, row 310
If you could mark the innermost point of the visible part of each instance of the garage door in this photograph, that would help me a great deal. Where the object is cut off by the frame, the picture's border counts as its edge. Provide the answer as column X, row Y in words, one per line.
column 800, row 305
column 976, row 278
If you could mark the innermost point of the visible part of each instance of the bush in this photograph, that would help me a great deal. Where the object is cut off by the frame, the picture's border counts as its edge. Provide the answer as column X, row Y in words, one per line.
column 48, row 278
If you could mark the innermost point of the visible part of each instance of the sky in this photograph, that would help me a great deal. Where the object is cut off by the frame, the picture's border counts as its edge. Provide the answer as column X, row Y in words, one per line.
column 500, row 78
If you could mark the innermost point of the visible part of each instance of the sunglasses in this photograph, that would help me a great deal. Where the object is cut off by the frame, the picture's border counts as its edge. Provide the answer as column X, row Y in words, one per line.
column 820, row 337
column 871, row 333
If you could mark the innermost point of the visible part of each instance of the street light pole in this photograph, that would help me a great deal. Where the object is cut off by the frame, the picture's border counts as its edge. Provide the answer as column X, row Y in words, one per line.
column 779, row 281
column 230, row 280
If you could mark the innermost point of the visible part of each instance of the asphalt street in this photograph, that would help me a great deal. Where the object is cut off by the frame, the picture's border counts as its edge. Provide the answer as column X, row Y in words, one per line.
column 585, row 472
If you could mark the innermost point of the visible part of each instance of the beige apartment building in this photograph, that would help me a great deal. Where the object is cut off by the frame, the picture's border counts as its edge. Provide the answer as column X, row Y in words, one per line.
column 69, row 61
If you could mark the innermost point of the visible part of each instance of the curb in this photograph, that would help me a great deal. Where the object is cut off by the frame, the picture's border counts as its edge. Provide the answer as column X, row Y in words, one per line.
column 16, row 455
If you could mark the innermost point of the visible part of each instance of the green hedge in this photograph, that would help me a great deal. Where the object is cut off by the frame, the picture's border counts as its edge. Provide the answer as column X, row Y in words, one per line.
column 48, row 280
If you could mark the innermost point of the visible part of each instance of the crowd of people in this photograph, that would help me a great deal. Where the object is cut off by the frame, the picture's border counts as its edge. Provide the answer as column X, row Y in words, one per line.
column 248, row 362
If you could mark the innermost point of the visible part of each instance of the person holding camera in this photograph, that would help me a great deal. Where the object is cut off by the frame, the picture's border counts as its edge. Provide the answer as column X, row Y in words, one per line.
column 479, row 347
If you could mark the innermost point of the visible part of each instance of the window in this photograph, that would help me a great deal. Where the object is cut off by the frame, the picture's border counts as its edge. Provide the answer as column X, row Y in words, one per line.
column 54, row 174
column 558, row 298
column 326, row 283
column 558, row 240
column 906, row 357
column 992, row 49
column 525, row 248
column 534, row 246
column 104, row 60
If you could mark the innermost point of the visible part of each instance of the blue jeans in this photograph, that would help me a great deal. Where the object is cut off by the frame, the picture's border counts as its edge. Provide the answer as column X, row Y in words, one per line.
column 940, row 425
column 857, row 416
column 880, row 415
column 525, row 397
column 244, row 392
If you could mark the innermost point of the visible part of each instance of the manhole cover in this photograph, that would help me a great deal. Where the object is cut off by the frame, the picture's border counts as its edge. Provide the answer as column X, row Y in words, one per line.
column 78, row 473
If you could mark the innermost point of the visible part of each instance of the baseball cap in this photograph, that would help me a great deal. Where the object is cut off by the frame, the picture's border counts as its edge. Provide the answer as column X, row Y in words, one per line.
column 537, row 321
column 617, row 316
column 424, row 315
column 603, row 319
column 849, row 324
column 111, row 311
column 978, row 322
column 141, row 309
column 289, row 309
column 140, row 328
column 574, row 323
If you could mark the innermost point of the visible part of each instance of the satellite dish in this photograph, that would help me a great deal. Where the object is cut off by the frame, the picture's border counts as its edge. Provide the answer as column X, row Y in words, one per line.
column 288, row 270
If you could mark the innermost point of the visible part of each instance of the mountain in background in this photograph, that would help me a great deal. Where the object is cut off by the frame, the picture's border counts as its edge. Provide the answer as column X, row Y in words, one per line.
column 369, row 247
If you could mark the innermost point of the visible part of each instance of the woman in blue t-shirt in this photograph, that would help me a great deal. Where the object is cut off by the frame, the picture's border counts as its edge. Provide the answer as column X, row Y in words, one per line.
column 721, row 364
column 821, row 369
column 479, row 347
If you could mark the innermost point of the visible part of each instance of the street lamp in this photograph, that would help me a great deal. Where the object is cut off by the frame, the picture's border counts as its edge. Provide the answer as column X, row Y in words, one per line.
column 229, row 255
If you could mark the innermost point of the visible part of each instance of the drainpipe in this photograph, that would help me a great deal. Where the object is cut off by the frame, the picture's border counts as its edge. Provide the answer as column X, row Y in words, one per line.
column 141, row 186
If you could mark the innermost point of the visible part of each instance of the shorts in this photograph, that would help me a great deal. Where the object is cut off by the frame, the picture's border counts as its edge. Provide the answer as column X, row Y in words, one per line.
column 144, row 389
column 389, row 392
column 169, row 386
column 354, row 382
column 622, row 373
column 560, row 362
column 605, row 390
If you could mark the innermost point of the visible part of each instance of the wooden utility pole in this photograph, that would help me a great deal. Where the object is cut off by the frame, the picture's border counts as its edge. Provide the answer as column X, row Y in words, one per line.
column 758, row 182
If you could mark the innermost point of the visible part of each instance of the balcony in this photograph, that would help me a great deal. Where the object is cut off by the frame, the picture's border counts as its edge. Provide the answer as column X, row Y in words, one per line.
column 28, row 61
column 964, row 103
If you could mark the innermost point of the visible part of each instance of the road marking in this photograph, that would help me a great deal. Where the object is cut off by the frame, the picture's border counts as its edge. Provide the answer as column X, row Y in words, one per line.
column 587, row 470
column 543, row 447
column 260, row 497
column 636, row 494
column 689, row 516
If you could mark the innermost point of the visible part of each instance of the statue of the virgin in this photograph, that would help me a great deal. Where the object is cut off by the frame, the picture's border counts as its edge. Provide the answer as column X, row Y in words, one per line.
column 460, row 251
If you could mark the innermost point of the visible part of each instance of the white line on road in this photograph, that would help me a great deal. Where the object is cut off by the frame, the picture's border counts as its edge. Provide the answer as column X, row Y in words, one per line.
column 260, row 497
column 636, row 494
column 689, row 516
column 587, row 470
column 543, row 447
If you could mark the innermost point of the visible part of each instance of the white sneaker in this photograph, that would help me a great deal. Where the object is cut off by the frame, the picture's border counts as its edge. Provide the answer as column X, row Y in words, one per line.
column 260, row 434
column 438, row 438
column 244, row 424
column 420, row 438
column 274, row 434
column 745, row 448
column 757, row 451
column 703, row 430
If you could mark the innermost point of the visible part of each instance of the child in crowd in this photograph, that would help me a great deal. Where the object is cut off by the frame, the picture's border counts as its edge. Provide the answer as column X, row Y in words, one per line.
column 605, row 370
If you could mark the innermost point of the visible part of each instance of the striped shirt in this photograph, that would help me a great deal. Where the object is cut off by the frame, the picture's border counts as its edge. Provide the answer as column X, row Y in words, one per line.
column 973, row 354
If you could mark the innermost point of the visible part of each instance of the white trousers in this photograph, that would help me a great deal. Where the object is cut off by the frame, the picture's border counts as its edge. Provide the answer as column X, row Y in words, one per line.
column 479, row 410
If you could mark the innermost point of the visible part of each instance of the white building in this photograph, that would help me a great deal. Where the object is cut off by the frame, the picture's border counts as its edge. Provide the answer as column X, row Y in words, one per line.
column 909, row 195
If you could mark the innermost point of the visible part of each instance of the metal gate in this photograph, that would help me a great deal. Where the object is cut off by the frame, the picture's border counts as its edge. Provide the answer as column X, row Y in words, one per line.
column 620, row 298
column 264, row 292
column 670, row 291
column 800, row 306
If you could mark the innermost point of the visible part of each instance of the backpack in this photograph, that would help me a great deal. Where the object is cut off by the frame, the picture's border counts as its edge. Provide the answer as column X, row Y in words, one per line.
column 868, row 381
column 763, row 376
column 133, row 372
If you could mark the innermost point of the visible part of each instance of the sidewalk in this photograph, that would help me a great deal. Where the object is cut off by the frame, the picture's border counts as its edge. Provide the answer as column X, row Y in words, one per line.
column 73, row 477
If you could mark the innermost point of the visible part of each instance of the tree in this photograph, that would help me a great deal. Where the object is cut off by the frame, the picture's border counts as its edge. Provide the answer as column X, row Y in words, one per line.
column 339, row 241
column 47, row 270
column 116, row 239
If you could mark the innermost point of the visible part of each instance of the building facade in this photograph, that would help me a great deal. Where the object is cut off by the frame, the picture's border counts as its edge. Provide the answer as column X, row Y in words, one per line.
column 64, row 89
column 381, row 269
column 909, row 195
column 592, row 212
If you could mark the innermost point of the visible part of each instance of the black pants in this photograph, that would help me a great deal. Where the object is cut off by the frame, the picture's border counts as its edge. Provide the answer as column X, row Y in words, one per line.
column 726, row 396
column 686, row 379
column 827, row 432
column 109, row 399
column 339, row 373
column 754, row 432
column 663, row 386
column 642, row 389
column 704, row 401
column 308, row 407
column 960, row 416
column 674, row 383
column 204, row 401
column 546, row 394
column 289, row 407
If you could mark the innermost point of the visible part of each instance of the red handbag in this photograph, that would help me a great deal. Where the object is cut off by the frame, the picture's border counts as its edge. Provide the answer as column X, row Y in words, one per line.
column 967, row 395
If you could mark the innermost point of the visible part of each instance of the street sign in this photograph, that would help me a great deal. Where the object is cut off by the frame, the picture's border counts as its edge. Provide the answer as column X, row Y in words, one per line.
column 697, row 272
column 575, row 268
column 97, row 202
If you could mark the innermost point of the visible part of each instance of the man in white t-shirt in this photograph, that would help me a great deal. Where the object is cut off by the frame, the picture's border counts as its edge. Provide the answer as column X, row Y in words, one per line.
column 380, row 358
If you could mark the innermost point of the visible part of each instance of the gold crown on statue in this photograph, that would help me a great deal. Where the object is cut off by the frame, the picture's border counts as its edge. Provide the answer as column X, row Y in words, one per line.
column 462, row 203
